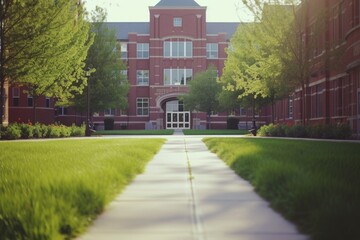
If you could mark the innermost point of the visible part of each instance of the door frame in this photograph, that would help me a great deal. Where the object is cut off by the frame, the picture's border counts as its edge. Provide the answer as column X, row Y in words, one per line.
column 178, row 120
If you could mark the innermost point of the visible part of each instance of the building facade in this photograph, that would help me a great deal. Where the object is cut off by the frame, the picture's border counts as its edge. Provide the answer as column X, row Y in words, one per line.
column 331, row 94
column 163, row 56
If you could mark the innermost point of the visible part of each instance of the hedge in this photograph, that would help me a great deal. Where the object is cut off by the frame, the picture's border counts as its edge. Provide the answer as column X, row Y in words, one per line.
column 338, row 131
column 29, row 131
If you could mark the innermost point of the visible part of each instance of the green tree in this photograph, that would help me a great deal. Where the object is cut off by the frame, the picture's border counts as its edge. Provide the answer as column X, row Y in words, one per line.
column 291, row 49
column 43, row 47
column 242, row 81
column 203, row 93
column 107, row 86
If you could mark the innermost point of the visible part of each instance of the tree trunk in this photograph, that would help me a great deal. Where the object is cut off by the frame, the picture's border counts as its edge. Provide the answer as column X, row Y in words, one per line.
column 208, row 121
column 272, row 110
column 2, row 58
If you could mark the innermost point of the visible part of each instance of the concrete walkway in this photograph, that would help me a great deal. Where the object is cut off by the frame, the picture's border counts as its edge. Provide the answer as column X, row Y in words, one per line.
column 187, row 193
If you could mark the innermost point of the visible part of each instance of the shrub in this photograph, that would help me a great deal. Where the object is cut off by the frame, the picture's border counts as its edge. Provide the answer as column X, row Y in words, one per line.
column 341, row 131
column 266, row 130
column 109, row 123
column 54, row 131
column 12, row 132
column 64, row 131
column 77, row 131
column 232, row 123
column 38, row 131
column 26, row 131
column 315, row 131
column 299, row 131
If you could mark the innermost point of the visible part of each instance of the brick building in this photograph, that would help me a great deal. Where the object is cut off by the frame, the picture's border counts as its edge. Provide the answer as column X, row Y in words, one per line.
column 165, row 53
column 332, row 94
column 162, row 57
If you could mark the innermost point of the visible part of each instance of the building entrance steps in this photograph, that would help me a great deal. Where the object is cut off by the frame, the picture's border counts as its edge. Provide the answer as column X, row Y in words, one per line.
column 188, row 193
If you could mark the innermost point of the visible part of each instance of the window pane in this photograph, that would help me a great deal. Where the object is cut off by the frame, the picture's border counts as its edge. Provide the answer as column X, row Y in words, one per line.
column 167, row 77
column 188, row 49
column 177, row 22
column 175, row 49
column 167, row 49
column 142, row 50
column 188, row 75
column 212, row 50
column 182, row 74
column 181, row 49
column 175, row 77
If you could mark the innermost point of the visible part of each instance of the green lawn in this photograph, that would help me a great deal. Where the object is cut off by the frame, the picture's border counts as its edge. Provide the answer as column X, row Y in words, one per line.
column 215, row 132
column 315, row 184
column 53, row 189
column 134, row 132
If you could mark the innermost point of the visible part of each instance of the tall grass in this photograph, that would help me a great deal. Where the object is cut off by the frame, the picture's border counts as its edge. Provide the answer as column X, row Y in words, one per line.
column 315, row 184
column 53, row 189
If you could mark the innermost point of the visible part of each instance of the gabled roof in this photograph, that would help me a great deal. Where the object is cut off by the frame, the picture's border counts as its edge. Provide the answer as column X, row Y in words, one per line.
column 123, row 28
column 222, row 27
column 177, row 3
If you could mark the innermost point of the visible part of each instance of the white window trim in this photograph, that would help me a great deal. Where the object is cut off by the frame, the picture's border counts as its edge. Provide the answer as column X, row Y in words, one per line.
column 210, row 51
column 142, row 50
column 148, row 107
column 172, row 83
column 142, row 78
column 177, row 22
column 112, row 112
column 184, row 53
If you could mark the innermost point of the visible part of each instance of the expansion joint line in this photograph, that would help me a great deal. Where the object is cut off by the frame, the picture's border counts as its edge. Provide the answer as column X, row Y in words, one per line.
column 197, row 224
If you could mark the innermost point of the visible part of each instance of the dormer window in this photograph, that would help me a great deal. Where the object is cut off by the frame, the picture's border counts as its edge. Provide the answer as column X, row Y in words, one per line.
column 177, row 22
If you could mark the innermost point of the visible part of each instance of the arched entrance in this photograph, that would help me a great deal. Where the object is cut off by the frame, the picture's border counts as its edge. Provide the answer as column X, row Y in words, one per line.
column 175, row 116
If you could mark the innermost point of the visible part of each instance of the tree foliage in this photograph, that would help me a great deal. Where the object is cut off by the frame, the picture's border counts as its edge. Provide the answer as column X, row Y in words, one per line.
column 43, row 46
column 279, row 52
column 204, row 92
column 108, row 86
column 255, row 60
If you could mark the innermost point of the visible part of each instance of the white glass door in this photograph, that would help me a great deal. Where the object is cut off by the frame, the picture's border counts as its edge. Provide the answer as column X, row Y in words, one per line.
column 178, row 120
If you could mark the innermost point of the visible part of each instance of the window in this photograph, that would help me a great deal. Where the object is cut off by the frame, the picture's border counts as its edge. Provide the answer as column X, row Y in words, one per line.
column 338, row 98
column 47, row 102
column 124, row 51
column 61, row 111
column 177, row 49
column 334, row 30
column 319, row 91
column 142, row 77
column 212, row 50
column 175, row 106
column 177, row 76
column 358, row 102
column 109, row 112
column 341, row 17
column 291, row 107
column 243, row 111
column 355, row 13
column 142, row 50
column 177, row 22
column 315, row 40
column 142, row 106
column 30, row 101
column 16, row 96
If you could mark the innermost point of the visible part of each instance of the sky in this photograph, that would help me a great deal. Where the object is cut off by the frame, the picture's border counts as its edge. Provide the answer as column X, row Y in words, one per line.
column 138, row 11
